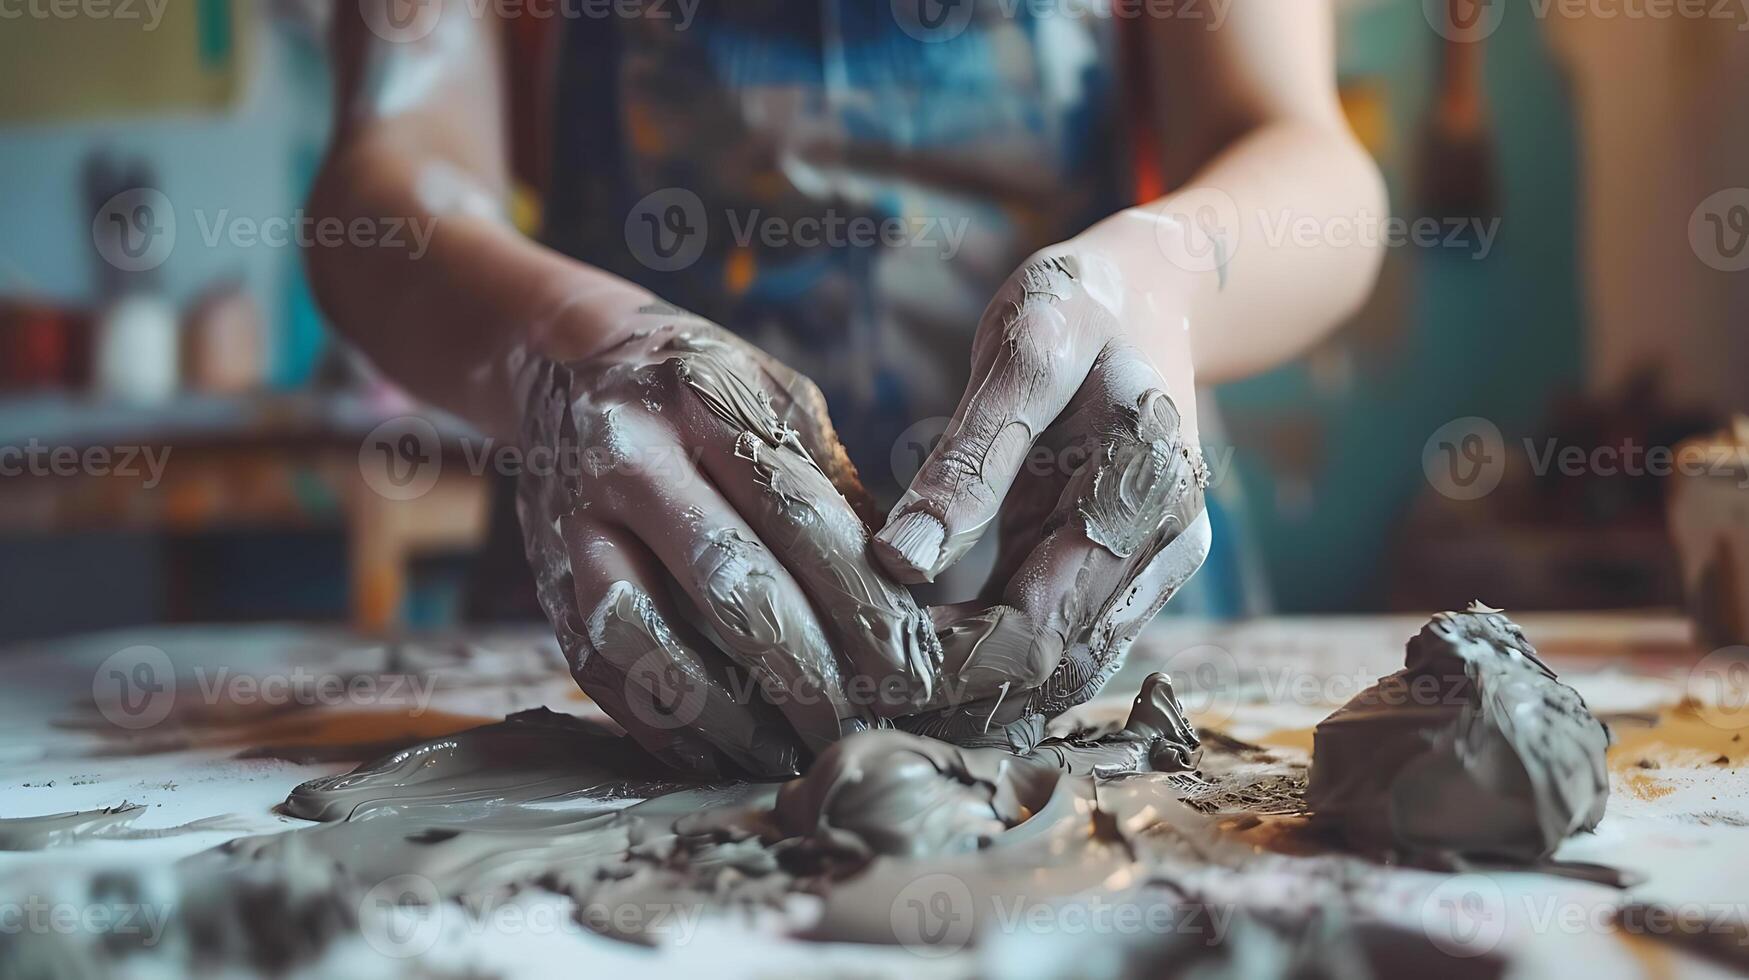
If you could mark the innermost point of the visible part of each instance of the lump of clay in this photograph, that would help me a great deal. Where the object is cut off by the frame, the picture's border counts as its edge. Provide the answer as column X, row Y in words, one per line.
column 1473, row 748
column 889, row 793
column 1156, row 738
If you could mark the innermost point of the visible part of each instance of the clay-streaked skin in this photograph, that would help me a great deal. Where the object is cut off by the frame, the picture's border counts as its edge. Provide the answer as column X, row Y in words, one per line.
column 706, row 576
column 1089, row 553
column 1078, row 577
column 1474, row 748
column 1251, row 104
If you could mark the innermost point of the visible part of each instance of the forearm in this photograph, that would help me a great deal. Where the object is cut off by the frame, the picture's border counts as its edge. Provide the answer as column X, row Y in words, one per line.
column 443, row 321
column 1303, row 196
column 419, row 146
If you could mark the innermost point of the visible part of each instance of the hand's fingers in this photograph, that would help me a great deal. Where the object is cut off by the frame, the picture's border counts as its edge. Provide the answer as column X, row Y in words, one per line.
column 750, row 604
column 1020, row 524
column 649, row 672
column 545, row 508
column 1129, row 529
column 758, row 465
column 1046, row 350
column 799, row 402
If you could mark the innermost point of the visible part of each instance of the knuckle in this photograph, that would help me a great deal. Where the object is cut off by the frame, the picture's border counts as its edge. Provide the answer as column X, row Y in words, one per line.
column 1035, row 354
column 958, row 469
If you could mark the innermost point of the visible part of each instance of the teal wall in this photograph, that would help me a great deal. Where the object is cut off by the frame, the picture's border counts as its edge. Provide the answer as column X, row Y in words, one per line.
column 1499, row 337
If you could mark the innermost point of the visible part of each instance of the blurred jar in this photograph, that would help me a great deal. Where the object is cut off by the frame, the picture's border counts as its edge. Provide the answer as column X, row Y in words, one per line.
column 39, row 346
column 1709, row 520
column 224, row 343
column 136, row 355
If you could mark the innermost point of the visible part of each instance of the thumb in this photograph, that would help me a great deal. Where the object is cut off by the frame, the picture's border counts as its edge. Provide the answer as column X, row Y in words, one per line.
column 957, row 493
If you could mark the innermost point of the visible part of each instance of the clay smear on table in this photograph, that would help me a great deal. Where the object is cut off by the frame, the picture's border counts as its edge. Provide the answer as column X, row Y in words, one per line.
column 884, row 825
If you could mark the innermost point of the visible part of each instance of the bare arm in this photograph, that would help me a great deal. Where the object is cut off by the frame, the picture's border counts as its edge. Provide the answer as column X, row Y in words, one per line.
column 655, row 523
column 1092, row 350
column 421, row 137
column 1250, row 111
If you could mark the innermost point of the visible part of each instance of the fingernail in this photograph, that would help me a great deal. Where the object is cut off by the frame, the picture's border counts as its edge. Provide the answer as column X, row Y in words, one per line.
column 913, row 544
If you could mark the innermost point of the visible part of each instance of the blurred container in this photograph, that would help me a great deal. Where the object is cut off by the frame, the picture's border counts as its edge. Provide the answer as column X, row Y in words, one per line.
column 39, row 346
column 224, row 343
column 138, row 351
column 1709, row 520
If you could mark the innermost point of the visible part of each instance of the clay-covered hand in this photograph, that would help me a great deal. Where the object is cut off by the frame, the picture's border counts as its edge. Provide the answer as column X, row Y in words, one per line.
column 1077, row 436
column 695, row 551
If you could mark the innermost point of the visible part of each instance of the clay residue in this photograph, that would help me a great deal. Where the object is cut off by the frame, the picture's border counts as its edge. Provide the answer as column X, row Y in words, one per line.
column 826, row 544
column 675, row 687
column 1474, row 748
column 110, row 823
column 1129, row 493
column 772, row 557
column 1688, row 735
column 1196, row 822
column 539, row 801
column 1644, row 787
column 531, row 756
column 895, row 794
column 1151, row 579
column 889, row 793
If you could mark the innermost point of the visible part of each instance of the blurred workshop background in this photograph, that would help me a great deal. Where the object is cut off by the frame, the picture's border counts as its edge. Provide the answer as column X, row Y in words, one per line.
column 1574, row 283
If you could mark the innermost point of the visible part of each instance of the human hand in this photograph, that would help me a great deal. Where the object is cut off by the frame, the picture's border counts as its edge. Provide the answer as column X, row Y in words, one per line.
column 703, row 540
column 1079, row 429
